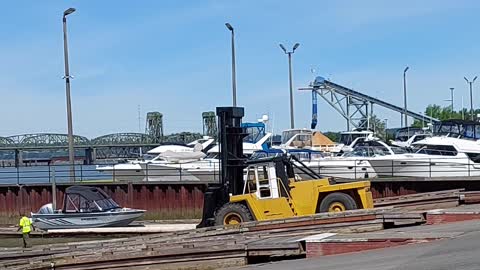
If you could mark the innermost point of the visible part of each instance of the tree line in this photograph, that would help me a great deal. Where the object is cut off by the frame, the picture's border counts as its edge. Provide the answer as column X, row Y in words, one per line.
column 445, row 113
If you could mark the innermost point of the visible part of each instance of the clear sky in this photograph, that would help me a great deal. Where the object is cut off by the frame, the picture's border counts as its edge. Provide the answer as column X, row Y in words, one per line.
column 174, row 57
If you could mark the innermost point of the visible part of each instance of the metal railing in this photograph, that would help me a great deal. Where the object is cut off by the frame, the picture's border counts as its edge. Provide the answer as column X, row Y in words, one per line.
column 60, row 173
column 208, row 171
column 421, row 167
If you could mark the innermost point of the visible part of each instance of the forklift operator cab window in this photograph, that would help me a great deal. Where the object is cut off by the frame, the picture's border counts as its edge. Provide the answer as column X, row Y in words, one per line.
column 262, row 180
column 250, row 184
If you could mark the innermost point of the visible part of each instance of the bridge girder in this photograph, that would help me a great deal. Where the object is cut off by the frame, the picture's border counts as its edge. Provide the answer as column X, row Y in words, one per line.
column 46, row 139
column 124, row 138
column 4, row 141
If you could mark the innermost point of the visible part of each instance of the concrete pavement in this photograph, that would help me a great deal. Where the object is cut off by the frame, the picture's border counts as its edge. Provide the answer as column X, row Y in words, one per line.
column 459, row 250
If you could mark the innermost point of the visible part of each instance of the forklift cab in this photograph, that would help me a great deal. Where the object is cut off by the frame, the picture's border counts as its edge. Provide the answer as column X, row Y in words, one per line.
column 261, row 179
column 268, row 178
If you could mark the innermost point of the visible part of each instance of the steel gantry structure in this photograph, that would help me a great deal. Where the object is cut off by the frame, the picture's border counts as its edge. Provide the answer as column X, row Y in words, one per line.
column 355, row 107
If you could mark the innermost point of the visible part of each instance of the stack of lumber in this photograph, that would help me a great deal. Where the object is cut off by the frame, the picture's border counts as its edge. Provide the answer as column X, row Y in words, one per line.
column 422, row 201
column 470, row 197
column 204, row 248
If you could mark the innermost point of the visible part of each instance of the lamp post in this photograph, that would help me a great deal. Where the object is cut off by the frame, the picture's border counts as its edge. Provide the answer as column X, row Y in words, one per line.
column 423, row 119
column 405, row 95
column 386, row 122
column 71, row 151
column 289, row 53
column 234, row 80
column 471, row 95
column 451, row 98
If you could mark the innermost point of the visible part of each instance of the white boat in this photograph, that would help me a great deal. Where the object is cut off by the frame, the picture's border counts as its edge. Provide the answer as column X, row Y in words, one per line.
column 405, row 137
column 351, row 165
column 437, row 156
column 184, row 165
column 206, row 169
column 134, row 170
column 202, row 144
column 85, row 207
column 315, row 140
column 454, row 150
column 305, row 139
column 350, row 139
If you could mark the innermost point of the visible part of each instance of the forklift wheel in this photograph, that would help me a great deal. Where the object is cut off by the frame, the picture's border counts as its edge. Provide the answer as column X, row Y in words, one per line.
column 337, row 202
column 232, row 214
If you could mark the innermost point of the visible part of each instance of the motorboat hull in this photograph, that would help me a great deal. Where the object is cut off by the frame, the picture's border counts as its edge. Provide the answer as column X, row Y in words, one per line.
column 425, row 167
column 338, row 168
column 202, row 170
column 122, row 217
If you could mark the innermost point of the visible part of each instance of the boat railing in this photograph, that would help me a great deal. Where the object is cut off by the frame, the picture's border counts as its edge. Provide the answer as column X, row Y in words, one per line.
column 350, row 168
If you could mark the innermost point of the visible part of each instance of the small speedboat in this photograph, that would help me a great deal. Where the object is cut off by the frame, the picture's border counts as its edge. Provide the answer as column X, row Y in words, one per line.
column 85, row 207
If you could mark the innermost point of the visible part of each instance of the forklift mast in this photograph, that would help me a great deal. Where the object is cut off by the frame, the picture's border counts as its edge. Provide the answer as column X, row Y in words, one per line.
column 231, row 136
column 232, row 161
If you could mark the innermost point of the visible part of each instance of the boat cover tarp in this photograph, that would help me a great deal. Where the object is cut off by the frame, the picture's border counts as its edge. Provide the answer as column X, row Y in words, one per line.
column 182, row 156
column 89, row 193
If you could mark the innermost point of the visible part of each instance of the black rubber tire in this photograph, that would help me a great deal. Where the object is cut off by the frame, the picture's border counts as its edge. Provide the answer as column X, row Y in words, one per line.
column 233, row 208
column 338, row 197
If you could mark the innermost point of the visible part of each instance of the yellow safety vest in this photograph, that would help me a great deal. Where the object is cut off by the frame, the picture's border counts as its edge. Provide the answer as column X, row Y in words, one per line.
column 26, row 224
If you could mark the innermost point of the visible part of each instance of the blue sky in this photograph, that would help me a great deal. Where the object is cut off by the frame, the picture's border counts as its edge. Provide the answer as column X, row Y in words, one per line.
column 174, row 57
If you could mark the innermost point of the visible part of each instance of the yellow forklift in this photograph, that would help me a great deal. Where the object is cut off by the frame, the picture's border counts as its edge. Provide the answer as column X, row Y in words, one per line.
column 270, row 188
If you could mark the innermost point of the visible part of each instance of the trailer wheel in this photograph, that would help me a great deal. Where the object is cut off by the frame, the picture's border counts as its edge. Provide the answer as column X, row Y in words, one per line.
column 233, row 214
column 337, row 202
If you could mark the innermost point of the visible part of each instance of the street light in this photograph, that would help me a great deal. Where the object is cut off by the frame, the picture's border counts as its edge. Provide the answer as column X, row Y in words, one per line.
column 292, row 121
column 451, row 98
column 386, row 122
column 471, row 95
column 405, row 95
column 234, row 80
column 71, row 151
column 423, row 119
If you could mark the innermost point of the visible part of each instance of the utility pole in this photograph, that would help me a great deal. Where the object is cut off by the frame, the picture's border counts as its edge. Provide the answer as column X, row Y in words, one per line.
column 292, row 118
column 386, row 123
column 451, row 98
column 234, row 75
column 71, row 150
column 405, row 95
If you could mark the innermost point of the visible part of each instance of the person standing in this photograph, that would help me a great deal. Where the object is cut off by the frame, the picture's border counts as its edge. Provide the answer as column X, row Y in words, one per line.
column 26, row 226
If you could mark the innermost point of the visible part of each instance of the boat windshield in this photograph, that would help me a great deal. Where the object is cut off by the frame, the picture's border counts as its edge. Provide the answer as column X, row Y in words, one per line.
column 265, row 154
column 107, row 204
column 399, row 150
column 443, row 150
column 148, row 156
column 255, row 132
column 348, row 138
column 368, row 151
column 308, row 155
column 212, row 155
column 404, row 134
column 304, row 155
column 288, row 134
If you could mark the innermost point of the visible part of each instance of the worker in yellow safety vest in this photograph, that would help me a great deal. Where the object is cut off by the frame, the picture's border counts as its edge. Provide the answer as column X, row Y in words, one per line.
column 26, row 226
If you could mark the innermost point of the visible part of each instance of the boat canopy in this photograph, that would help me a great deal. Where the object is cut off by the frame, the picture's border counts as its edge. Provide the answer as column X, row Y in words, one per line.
column 403, row 134
column 254, row 131
column 458, row 128
column 87, row 199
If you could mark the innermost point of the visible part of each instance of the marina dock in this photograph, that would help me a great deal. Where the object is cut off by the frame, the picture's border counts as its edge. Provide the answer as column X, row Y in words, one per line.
column 253, row 242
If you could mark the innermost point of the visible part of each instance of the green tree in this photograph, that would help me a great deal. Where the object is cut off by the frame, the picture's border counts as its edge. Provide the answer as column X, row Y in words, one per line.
column 445, row 113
